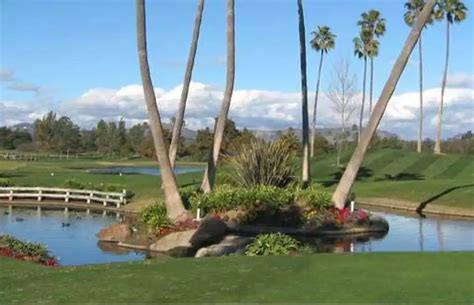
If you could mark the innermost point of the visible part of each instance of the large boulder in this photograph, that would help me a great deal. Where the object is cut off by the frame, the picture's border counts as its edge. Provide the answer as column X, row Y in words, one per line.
column 211, row 230
column 115, row 233
column 230, row 244
column 174, row 242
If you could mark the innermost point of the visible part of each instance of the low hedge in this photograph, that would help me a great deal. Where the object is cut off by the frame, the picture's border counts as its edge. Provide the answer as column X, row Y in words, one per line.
column 226, row 197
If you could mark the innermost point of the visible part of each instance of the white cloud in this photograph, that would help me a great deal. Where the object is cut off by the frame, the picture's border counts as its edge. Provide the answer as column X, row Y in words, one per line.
column 460, row 80
column 6, row 75
column 259, row 109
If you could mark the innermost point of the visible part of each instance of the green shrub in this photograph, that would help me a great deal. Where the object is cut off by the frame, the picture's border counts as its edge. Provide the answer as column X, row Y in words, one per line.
column 24, row 248
column 272, row 244
column 263, row 163
column 155, row 216
column 74, row 184
column 4, row 182
column 108, row 187
column 225, row 197
column 314, row 196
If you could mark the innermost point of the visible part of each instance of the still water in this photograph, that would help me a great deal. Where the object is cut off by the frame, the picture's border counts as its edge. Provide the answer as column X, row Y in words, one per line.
column 77, row 244
column 143, row 170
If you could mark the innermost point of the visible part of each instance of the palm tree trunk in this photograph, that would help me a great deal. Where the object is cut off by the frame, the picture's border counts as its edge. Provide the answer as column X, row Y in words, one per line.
column 437, row 148
column 306, row 179
column 371, row 84
column 361, row 118
column 344, row 187
column 210, row 173
column 420, row 129
column 178, row 124
column 174, row 205
column 313, row 133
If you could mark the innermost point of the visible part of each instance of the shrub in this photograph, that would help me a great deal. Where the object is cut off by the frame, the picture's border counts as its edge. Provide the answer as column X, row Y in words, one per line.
column 16, row 248
column 263, row 163
column 109, row 187
column 155, row 216
column 272, row 244
column 315, row 196
column 4, row 182
column 225, row 197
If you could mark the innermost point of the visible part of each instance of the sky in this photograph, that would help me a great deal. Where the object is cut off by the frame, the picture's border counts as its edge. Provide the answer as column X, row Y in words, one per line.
column 78, row 58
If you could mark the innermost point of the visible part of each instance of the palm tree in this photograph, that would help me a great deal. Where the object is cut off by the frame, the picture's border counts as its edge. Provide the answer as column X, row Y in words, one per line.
column 210, row 173
column 413, row 8
column 455, row 11
column 174, row 205
column 375, row 24
column 178, row 124
column 306, row 179
column 323, row 41
column 344, row 187
column 360, row 50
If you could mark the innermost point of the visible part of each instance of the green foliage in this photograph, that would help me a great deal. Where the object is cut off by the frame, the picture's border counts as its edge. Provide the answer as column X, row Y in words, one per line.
column 225, row 197
column 263, row 163
column 315, row 196
column 155, row 216
column 4, row 182
column 11, row 139
column 272, row 244
column 23, row 248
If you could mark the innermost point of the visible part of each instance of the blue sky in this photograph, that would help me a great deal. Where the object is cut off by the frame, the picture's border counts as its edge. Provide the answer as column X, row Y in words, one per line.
column 69, row 47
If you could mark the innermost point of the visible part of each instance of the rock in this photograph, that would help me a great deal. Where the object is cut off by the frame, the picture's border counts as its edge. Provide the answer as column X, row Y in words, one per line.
column 211, row 230
column 115, row 233
column 177, row 241
column 230, row 244
column 378, row 223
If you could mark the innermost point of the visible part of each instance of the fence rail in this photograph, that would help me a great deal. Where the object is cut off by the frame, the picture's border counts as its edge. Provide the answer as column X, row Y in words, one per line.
column 42, row 193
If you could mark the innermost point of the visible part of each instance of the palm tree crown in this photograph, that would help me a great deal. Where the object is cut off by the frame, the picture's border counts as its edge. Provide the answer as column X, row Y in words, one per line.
column 455, row 10
column 373, row 26
column 413, row 8
column 323, row 39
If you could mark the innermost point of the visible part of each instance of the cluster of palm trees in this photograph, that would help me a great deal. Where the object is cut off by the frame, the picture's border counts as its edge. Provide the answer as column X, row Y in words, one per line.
column 454, row 11
column 366, row 47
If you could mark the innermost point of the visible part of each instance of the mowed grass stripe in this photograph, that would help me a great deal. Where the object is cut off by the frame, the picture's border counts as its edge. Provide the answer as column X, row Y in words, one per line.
column 384, row 159
column 398, row 165
column 454, row 169
column 421, row 164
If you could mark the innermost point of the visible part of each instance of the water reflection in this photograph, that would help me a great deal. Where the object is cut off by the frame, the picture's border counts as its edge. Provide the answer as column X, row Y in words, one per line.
column 407, row 233
column 70, row 236
column 144, row 170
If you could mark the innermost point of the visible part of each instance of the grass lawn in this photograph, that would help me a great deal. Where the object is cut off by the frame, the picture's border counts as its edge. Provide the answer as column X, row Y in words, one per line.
column 426, row 278
column 388, row 173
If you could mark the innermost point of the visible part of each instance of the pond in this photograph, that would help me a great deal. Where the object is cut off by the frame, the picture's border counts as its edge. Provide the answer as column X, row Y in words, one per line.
column 77, row 244
column 143, row 170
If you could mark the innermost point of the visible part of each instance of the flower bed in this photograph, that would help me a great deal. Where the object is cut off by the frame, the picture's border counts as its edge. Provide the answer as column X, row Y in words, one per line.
column 27, row 251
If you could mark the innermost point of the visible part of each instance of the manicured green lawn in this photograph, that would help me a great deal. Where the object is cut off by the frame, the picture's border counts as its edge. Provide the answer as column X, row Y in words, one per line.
column 388, row 173
column 426, row 278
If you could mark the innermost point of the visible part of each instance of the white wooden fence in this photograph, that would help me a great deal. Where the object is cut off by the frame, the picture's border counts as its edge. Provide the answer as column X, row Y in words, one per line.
column 44, row 193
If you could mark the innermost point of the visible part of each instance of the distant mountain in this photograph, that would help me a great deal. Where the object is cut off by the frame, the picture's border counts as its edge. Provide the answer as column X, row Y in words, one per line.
column 30, row 128
column 328, row 133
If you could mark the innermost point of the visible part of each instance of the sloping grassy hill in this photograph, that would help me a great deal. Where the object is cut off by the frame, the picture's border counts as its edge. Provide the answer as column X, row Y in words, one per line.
column 399, row 174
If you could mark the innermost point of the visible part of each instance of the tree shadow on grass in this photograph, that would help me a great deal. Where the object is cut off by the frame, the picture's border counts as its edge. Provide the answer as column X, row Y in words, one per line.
column 423, row 204
column 11, row 175
column 401, row 177
column 362, row 174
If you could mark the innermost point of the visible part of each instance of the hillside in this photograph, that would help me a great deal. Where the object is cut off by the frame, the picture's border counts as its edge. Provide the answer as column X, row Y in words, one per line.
column 405, row 175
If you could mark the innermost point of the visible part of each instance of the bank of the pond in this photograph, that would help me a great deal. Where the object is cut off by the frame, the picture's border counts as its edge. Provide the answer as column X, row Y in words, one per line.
column 347, row 278
column 419, row 208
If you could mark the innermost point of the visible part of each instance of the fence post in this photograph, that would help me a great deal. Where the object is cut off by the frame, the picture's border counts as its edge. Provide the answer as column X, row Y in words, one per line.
column 67, row 196
column 106, row 200
column 39, row 194
column 123, row 197
column 11, row 195
column 90, row 198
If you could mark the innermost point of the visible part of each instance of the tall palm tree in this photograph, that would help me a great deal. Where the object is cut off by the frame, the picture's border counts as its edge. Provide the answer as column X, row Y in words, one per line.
column 323, row 41
column 210, row 173
column 344, row 187
column 360, row 50
column 455, row 11
column 413, row 8
column 178, row 124
column 375, row 24
column 174, row 205
column 306, row 177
